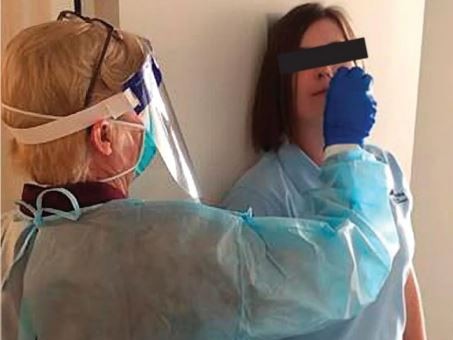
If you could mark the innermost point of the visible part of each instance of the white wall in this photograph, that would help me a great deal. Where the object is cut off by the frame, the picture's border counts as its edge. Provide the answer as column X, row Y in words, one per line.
column 432, row 179
column 210, row 52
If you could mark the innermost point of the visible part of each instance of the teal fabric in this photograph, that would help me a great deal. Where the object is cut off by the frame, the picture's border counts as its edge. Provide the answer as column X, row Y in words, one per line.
column 148, row 151
column 177, row 270
column 281, row 184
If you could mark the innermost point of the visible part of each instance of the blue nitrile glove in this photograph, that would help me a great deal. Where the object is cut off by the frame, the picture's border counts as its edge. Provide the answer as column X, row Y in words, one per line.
column 350, row 108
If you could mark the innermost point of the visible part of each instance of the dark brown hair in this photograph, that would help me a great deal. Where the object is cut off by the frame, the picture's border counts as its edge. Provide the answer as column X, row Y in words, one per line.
column 272, row 107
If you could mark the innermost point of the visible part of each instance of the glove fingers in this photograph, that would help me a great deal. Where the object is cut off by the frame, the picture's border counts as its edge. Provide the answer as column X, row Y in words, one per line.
column 350, row 111
column 367, row 80
column 341, row 72
column 356, row 72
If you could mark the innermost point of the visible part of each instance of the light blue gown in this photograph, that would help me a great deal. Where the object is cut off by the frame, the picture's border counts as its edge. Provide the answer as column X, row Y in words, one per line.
column 281, row 184
column 130, row 269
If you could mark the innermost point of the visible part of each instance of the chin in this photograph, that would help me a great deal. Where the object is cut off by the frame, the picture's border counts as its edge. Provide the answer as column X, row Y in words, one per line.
column 315, row 116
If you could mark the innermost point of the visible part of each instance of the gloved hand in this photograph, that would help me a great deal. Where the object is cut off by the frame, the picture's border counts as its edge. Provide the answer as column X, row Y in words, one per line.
column 350, row 108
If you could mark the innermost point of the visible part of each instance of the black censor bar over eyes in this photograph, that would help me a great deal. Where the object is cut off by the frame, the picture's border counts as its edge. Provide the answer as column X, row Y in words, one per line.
column 331, row 54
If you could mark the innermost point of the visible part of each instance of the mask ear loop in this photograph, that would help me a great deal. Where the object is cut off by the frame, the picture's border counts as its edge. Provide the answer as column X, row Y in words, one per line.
column 125, row 172
column 128, row 124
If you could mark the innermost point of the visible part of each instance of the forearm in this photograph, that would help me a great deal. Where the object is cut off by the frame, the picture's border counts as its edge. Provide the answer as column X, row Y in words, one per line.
column 415, row 323
column 349, row 227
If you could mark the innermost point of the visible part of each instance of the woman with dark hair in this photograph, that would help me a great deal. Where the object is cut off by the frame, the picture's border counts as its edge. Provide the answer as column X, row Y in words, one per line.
column 287, row 125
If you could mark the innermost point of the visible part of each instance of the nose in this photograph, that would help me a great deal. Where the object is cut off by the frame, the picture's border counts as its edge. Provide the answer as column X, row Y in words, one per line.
column 323, row 75
column 325, row 72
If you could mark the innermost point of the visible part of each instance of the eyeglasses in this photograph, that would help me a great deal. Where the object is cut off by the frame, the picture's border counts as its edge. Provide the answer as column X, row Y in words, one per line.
column 70, row 15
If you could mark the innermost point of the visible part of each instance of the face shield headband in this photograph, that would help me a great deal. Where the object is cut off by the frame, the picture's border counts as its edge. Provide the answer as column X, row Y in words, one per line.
column 145, row 94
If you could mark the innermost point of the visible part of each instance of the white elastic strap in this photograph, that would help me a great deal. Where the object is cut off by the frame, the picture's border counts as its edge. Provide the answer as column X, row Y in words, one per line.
column 121, row 174
column 129, row 125
column 112, row 107
column 28, row 113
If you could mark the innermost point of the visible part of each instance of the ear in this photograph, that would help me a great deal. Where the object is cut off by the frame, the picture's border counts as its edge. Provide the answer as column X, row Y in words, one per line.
column 100, row 137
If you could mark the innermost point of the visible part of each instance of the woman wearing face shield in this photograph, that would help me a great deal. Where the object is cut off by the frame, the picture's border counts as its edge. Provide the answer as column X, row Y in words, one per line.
column 88, row 110
column 289, row 120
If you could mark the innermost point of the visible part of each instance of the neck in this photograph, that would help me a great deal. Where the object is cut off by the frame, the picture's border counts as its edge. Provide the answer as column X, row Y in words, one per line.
column 309, row 137
column 121, row 183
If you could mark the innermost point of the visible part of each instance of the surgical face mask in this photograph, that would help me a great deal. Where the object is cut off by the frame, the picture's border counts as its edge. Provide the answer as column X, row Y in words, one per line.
column 143, row 93
column 148, row 151
column 146, row 155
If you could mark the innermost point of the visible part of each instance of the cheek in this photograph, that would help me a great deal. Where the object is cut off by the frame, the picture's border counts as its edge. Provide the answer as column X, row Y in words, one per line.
column 129, row 146
column 303, row 84
column 304, row 79
column 307, row 106
column 136, row 144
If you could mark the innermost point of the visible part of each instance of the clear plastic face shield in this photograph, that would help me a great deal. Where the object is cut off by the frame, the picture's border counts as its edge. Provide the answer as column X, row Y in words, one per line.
column 143, row 93
column 156, row 112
